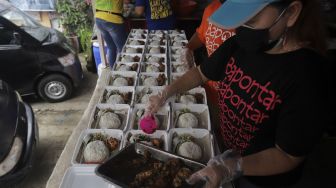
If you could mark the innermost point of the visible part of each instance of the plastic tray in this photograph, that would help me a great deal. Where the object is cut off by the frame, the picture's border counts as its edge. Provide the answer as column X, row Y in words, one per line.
column 120, row 171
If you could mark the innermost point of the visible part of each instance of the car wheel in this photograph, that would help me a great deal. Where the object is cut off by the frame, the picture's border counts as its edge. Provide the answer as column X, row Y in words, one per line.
column 54, row 88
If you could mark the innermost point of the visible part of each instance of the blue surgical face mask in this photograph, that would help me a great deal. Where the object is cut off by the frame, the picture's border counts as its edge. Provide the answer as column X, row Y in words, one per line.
column 252, row 39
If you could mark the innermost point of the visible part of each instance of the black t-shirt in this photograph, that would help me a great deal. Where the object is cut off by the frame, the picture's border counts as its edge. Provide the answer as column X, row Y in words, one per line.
column 268, row 99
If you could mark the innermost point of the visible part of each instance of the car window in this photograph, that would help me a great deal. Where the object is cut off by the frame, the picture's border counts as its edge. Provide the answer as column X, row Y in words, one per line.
column 18, row 19
column 6, row 36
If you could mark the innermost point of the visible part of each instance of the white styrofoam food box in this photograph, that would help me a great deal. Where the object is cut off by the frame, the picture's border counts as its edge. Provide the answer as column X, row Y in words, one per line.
column 152, row 42
column 130, row 66
column 129, row 58
column 120, row 90
column 84, row 177
column 122, row 110
column 143, row 76
column 140, row 91
column 201, row 137
column 155, row 58
column 144, row 66
column 157, row 134
column 140, row 42
column 163, row 50
column 126, row 74
column 139, row 49
column 199, row 110
column 78, row 158
column 198, row 90
column 163, row 116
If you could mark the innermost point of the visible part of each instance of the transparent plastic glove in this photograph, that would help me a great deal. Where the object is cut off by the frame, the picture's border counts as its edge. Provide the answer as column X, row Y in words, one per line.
column 156, row 102
column 221, row 169
column 187, row 57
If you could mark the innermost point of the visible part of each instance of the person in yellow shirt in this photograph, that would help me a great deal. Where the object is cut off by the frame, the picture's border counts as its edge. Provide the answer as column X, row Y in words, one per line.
column 110, row 22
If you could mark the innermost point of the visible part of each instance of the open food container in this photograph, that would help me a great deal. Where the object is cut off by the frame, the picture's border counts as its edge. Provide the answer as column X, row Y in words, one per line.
column 152, row 79
column 84, row 177
column 123, row 67
column 158, row 139
column 136, row 42
column 129, row 58
column 95, row 146
column 139, row 31
column 121, row 79
column 158, row 36
column 158, row 32
column 162, row 117
column 178, row 43
column 156, row 50
column 143, row 93
column 133, row 49
column 126, row 168
column 178, row 37
column 157, row 58
column 194, row 116
column 152, row 42
column 107, row 116
column 117, row 95
column 195, row 144
column 176, row 32
column 193, row 96
column 176, row 51
column 154, row 67
column 137, row 36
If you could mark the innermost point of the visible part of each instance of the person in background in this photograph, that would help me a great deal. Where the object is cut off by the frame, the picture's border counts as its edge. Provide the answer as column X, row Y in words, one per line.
column 273, row 91
column 159, row 14
column 110, row 22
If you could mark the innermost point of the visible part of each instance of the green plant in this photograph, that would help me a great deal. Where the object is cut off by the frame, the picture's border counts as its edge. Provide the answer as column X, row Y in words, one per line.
column 85, row 34
column 74, row 16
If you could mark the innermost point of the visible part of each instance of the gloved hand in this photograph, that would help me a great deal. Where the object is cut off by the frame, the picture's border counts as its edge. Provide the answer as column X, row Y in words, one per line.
column 221, row 169
column 156, row 101
column 187, row 57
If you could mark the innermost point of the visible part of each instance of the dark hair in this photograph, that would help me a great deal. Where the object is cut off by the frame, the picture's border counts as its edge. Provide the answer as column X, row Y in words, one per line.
column 309, row 27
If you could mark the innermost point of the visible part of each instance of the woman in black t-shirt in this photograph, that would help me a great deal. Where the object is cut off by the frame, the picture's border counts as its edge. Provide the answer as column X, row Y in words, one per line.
column 272, row 91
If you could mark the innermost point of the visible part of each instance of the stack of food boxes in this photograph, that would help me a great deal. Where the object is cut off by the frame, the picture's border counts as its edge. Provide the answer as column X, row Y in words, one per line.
column 149, row 61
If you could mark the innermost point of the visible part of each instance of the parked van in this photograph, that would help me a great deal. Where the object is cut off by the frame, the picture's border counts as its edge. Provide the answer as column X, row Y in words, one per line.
column 35, row 59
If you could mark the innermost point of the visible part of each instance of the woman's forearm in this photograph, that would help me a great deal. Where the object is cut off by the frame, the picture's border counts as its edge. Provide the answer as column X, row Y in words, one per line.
column 189, row 80
column 269, row 162
column 194, row 42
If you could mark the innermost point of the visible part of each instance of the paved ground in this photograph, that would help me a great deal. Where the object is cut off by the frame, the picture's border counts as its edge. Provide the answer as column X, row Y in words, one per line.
column 56, row 122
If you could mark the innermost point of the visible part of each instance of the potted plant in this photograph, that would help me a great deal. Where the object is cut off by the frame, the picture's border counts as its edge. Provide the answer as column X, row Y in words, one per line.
column 74, row 19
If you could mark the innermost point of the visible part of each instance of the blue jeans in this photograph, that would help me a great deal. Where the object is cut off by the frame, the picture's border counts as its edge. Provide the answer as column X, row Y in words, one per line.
column 115, row 37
